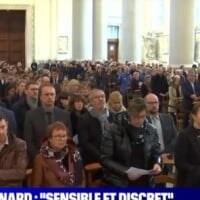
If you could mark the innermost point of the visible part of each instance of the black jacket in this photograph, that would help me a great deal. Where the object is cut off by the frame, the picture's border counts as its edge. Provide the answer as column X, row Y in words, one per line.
column 116, row 152
column 187, row 158
column 74, row 117
column 89, row 136
column 20, row 108
column 187, row 92
column 159, row 85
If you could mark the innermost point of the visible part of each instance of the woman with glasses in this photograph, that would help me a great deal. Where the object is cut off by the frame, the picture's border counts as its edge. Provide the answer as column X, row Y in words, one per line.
column 58, row 164
column 131, row 143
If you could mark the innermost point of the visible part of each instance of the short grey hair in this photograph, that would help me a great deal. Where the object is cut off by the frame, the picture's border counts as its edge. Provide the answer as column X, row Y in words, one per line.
column 93, row 91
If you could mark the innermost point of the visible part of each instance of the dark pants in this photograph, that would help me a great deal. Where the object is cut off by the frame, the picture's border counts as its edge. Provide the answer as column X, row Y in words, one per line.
column 186, row 119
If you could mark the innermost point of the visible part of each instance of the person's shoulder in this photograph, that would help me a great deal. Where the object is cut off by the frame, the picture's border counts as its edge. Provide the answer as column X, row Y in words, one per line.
column 20, row 102
column 118, row 125
column 185, row 83
column 185, row 135
column 114, row 126
column 71, row 145
column 34, row 111
column 60, row 110
column 187, row 132
column 86, row 115
column 165, row 116
column 39, row 158
column 19, row 141
column 17, row 104
column 150, row 127
column 5, row 110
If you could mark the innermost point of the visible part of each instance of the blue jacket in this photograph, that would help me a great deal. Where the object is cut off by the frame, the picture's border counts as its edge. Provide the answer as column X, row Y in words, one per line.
column 124, row 81
column 187, row 92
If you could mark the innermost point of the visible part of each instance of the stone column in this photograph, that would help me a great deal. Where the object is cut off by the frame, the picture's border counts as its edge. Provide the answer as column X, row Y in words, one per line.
column 132, row 25
column 182, row 24
column 99, row 30
column 81, row 29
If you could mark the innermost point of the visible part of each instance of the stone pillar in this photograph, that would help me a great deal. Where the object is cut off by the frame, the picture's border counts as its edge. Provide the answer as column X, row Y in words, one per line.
column 42, row 30
column 182, row 24
column 81, row 29
column 132, row 25
column 65, row 28
column 54, row 27
column 99, row 30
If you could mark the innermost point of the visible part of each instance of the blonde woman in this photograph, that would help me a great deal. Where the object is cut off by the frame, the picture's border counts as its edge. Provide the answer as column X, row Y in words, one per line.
column 115, row 106
column 115, row 103
column 175, row 96
column 73, row 86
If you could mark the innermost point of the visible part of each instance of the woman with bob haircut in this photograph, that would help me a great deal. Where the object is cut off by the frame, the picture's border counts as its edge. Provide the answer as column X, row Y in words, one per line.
column 58, row 164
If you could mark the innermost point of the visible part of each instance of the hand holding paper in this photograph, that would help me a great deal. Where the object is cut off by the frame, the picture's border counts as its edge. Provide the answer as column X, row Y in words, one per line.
column 156, row 169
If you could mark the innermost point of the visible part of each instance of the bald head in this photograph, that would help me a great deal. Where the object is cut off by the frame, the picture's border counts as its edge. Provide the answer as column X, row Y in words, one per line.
column 152, row 103
column 150, row 97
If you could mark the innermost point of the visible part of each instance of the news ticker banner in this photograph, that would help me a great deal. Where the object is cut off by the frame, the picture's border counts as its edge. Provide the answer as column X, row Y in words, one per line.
column 98, row 194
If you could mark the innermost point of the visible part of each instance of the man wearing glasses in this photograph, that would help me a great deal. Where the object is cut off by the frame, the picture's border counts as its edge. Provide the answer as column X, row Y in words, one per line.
column 164, row 124
column 91, row 126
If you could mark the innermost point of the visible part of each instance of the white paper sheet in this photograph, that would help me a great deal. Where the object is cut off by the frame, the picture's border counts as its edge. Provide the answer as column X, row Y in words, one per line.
column 138, row 171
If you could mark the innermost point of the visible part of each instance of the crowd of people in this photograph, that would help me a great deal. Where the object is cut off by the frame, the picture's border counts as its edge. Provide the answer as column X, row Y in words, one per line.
column 57, row 117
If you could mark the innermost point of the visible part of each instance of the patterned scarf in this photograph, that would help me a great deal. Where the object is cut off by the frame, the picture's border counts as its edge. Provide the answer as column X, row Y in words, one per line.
column 55, row 162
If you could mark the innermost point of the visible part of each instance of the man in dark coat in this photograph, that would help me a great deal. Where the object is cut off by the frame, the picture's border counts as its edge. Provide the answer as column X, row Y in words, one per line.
column 191, row 94
column 91, row 127
column 28, row 102
column 37, row 120
column 159, row 85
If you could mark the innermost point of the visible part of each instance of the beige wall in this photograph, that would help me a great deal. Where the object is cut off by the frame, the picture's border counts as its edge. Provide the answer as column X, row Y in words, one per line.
column 42, row 27
column 52, row 20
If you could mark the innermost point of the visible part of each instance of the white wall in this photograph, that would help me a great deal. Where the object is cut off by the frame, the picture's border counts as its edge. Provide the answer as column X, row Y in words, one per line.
column 42, row 29
column 17, row 2
column 65, row 26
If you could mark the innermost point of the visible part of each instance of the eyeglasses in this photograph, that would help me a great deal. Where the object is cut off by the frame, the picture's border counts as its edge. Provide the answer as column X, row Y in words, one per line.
column 99, row 97
column 59, row 136
column 153, row 102
column 34, row 89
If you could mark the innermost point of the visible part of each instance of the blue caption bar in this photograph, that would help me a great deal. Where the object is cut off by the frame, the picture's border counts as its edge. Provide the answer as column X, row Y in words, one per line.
column 97, row 194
